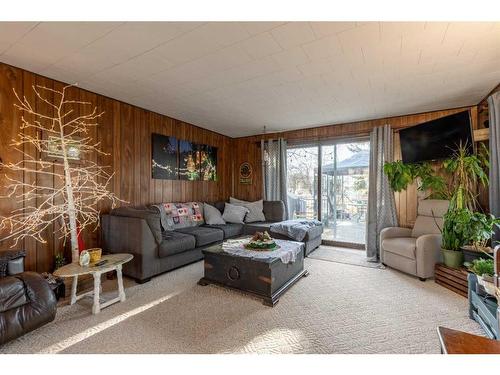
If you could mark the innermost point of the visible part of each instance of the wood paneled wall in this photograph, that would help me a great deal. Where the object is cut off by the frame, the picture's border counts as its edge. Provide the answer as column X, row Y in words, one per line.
column 125, row 135
column 247, row 149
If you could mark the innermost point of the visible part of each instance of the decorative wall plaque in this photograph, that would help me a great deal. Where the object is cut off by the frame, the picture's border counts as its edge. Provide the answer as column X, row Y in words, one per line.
column 246, row 173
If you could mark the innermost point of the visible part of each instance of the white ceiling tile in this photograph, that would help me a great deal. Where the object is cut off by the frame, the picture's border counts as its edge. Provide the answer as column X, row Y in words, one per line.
column 323, row 48
column 234, row 77
column 254, row 28
column 12, row 32
column 322, row 29
column 67, row 35
column 261, row 45
column 291, row 57
column 293, row 34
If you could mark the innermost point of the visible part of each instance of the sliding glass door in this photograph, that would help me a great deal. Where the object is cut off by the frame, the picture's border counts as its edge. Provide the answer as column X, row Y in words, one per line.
column 302, row 182
column 329, row 182
column 344, row 191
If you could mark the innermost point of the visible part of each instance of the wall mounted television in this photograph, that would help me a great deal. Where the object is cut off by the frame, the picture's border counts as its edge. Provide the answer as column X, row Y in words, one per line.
column 436, row 139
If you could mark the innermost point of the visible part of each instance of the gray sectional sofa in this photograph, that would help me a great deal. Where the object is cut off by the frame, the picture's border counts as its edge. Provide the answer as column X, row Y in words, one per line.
column 138, row 231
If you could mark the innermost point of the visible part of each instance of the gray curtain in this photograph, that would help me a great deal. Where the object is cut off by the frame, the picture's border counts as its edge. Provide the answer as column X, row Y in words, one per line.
column 274, row 171
column 381, row 203
column 494, row 189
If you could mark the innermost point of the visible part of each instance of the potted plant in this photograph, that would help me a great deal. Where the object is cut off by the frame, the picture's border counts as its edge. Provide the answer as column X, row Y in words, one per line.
column 467, row 171
column 454, row 236
column 479, row 231
column 484, row 270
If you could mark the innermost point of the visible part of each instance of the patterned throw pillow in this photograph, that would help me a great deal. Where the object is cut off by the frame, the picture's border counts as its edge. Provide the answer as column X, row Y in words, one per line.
column 182, row 215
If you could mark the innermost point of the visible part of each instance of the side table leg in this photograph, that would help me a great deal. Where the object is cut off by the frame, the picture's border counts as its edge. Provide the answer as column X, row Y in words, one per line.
column 121, row 291
column 73, row 290
column 96, row 307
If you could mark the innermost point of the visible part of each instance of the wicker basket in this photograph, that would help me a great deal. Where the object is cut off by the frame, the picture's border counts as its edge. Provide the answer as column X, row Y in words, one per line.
column 95, row 254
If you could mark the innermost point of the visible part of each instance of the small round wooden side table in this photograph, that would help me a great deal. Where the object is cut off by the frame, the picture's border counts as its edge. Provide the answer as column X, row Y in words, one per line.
column 114, row 263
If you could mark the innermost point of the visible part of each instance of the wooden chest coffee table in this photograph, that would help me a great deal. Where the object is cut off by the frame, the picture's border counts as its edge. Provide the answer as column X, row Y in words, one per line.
column 267, row 278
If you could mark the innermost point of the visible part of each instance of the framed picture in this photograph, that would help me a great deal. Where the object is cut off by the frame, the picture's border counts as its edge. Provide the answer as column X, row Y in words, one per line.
column 246, row 173
column 208, row 163
column 164, row 157
column 54, row 150
column 189, row 160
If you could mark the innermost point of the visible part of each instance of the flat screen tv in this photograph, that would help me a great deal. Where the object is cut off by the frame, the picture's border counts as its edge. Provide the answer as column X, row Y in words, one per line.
column 436, row 139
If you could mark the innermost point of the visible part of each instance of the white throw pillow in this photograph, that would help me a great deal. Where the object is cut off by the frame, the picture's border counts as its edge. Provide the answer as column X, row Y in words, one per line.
column 212, row 215
column 256, row 209
column 234, row 214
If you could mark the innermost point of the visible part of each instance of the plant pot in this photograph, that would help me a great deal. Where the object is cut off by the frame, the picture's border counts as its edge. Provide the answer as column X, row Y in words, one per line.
column 470, row 253
column 486, row 282
column 453, row 258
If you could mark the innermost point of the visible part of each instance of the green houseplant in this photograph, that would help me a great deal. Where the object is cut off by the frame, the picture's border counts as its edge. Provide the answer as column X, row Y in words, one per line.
column 484, row 270
column 454, row 236
column 478, row 232
column 464, row 172
column 400, row 175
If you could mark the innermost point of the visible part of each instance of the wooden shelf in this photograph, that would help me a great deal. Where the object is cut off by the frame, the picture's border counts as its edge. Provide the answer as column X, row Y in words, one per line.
column 481, row 135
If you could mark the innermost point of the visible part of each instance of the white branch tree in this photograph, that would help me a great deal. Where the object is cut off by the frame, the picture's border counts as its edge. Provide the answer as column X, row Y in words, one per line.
column 73, row 201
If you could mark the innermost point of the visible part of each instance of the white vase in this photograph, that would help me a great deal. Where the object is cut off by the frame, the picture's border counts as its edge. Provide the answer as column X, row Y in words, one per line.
column 84, row 258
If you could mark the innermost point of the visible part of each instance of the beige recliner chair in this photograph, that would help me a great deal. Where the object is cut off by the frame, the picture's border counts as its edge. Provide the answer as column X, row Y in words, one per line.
column 416, row 251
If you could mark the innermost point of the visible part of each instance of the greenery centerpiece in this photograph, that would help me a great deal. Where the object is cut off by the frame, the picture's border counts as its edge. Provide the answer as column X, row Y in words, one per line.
column 261, row 242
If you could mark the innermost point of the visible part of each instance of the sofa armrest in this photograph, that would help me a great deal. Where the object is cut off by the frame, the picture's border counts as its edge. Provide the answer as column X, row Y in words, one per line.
column 39, row 309
column 132, row 235
column 151, row 216
column 428, row 253
column 11, row 262
column 274, row 211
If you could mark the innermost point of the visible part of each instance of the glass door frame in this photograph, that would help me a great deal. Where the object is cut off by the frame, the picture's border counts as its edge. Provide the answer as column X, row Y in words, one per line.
column 320, row 144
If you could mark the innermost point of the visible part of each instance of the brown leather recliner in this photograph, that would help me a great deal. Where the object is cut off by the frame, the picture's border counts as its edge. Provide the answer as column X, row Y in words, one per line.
column 26, row 300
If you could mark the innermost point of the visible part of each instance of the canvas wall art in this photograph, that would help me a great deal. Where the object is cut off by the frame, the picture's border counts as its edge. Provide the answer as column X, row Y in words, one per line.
column 189, row 160
column 164, row 157
column 208, row 163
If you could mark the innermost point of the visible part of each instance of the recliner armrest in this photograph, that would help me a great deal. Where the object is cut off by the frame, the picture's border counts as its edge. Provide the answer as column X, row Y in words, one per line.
column 428, row 253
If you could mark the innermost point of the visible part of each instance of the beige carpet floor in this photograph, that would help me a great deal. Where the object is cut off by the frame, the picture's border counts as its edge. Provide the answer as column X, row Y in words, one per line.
column 343, row 255
column 339, row 308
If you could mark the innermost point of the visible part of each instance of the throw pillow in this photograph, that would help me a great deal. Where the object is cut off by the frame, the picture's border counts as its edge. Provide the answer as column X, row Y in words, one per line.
column 212, row 215
column 256, row 209
column 234, row 214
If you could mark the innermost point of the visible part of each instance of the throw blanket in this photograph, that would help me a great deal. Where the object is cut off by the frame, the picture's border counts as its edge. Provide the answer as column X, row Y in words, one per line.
column 296, row 229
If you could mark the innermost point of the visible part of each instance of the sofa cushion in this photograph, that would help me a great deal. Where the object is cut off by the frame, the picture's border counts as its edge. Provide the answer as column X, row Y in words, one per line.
column 230, row 230
column 251, row 228
column 234, row 214
column 404, row 246
column 274, row 211
column 212, row 215
column 174, row 243
column 203, row 235
column 314, row 232
column 11, row 293
column 255, row 209
column 257, row 227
